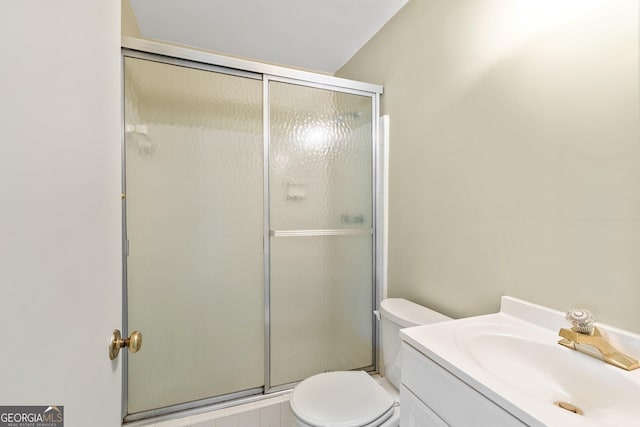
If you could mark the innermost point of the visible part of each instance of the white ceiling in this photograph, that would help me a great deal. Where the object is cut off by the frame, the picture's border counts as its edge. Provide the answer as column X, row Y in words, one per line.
column 319, row 35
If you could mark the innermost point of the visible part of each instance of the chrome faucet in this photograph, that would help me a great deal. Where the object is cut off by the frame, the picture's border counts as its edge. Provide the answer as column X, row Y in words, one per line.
column 585, row 338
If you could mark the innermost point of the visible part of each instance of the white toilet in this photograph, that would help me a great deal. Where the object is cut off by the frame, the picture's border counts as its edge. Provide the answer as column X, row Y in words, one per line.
column 353, row 398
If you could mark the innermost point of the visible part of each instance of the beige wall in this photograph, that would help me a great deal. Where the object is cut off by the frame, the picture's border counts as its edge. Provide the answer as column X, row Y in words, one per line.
column 514, row 154
column 129, row 22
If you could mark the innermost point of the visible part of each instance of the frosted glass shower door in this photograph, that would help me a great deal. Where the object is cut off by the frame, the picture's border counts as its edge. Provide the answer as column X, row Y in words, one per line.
column 194, row 208
column 321, row 220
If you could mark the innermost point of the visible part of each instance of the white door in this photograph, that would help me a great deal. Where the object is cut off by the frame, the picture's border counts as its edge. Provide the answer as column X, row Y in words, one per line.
column 60, row 218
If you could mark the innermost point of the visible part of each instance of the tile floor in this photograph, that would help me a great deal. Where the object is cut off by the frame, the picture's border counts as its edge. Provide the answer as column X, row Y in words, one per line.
column 271, row 412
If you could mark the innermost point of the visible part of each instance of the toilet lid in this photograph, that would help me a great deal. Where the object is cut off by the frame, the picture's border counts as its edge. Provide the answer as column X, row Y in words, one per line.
column 340, row 399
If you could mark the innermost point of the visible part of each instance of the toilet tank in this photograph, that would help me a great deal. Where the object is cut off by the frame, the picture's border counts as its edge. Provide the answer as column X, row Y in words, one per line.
column 395, row 314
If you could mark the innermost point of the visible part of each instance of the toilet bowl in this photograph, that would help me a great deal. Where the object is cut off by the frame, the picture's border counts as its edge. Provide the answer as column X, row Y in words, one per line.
column 353, row 398
column 342, row 398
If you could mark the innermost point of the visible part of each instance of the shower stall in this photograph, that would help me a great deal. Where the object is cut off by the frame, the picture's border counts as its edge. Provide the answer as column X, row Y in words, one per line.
column 250, row 226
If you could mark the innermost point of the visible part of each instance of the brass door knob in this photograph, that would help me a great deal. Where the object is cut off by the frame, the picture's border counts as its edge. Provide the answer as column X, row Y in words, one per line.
column 133, row 343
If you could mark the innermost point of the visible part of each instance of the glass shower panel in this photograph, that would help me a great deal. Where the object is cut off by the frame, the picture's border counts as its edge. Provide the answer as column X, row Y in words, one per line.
column 194, row 203
column 321, row 306
column 320, row 158
column 321, row 219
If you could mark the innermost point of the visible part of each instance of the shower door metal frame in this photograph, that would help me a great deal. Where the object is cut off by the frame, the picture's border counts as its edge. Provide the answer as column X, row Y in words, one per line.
column 270, row 233
column 148, row 56
column 190, row 58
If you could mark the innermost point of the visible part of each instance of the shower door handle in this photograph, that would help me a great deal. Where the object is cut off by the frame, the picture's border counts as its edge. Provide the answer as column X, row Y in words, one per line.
column 133, row 343
column 322, row 232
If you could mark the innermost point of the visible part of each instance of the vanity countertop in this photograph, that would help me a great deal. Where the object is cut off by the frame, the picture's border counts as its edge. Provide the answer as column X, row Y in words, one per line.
column 513, row 359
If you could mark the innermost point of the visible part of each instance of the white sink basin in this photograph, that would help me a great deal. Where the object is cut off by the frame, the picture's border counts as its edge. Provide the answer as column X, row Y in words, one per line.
column 513, row 358
column 530, row 360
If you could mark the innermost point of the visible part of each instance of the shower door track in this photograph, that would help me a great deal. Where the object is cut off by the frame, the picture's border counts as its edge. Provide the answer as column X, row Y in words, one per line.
column 190, row 58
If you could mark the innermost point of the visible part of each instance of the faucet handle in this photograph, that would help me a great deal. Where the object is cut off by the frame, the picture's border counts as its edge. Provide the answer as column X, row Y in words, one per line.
column 581, row 319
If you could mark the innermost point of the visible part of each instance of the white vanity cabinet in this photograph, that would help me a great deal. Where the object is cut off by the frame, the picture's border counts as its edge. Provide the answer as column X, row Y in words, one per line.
column 433, row 397
column 416, row 413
